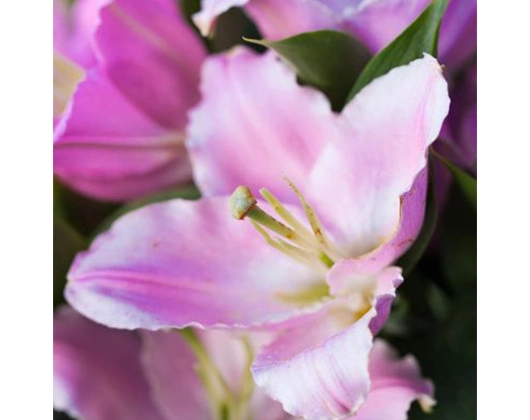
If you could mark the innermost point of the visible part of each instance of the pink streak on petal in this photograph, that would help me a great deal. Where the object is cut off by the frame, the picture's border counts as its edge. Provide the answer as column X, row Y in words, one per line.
column 106, row 148
column 153, row 57
column 396, row 383
column 181, row 263
column 316, row 370
column 319, row 367
column 255, row 125
column 357, row 183
column 97, row 372
column 169, row 366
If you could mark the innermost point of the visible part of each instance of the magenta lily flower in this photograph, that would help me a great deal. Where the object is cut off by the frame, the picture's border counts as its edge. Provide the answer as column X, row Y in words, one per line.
column 103, row 373
column 121, row 134
column 72, row 51
column 376, row 23
column 343, row 197
column 460, row 129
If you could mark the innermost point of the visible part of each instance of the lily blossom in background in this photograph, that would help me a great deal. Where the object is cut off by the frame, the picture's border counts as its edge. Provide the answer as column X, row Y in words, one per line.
column 72, row 52
column 342, row 196
column 459, row 131
column 103, row 373
column 375, row 22
column 121, row 109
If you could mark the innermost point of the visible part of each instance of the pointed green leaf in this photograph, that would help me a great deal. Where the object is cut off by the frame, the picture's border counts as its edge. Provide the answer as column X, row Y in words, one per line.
column 331, row 61
column 420, row 37
column 458, row 243
column 467, row 184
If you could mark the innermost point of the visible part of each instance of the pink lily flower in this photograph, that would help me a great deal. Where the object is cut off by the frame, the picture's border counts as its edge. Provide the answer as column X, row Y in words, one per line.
column 460, row 129
column 121, row 129
column 71, row 54
column 313, row 257
column 375, row 22
column 102, row 373
column 458, row 48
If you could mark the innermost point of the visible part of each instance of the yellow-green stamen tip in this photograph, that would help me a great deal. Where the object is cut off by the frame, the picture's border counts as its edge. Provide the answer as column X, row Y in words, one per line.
column 241, row 202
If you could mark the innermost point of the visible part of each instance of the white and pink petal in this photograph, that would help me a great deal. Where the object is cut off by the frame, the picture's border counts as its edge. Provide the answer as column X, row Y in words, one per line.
column 256, row 125
column 107, row 148
column 357, row 184
column 319, row 367
column 152, row 56
column 182, row 263
column 395, row 384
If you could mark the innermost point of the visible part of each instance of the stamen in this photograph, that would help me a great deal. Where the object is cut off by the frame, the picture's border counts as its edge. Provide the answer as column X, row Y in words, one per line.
column 241, row 201
column 244, row 204
column 310, row 213
column 275, row 243
column 304, row 246
column 288, row 249
column 284, row 213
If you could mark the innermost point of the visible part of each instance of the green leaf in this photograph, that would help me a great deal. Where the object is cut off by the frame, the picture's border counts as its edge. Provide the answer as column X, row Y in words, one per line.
column 67, row 242
column 447, row 354
column 467, row 184
column 331, row 61
column 189, row 7
column 84, row 214
column 421, row 36
column 411, row 258
column 459, row 243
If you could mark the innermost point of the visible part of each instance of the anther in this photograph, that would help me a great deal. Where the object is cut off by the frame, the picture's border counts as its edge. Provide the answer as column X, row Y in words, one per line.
column 305, row 245
column 241, row 202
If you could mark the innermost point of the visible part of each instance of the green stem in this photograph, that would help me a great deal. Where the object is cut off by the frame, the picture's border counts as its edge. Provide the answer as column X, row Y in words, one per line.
column 219, row 393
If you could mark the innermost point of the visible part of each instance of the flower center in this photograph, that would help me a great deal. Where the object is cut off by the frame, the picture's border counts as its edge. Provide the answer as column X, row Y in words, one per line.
column 310, row 247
